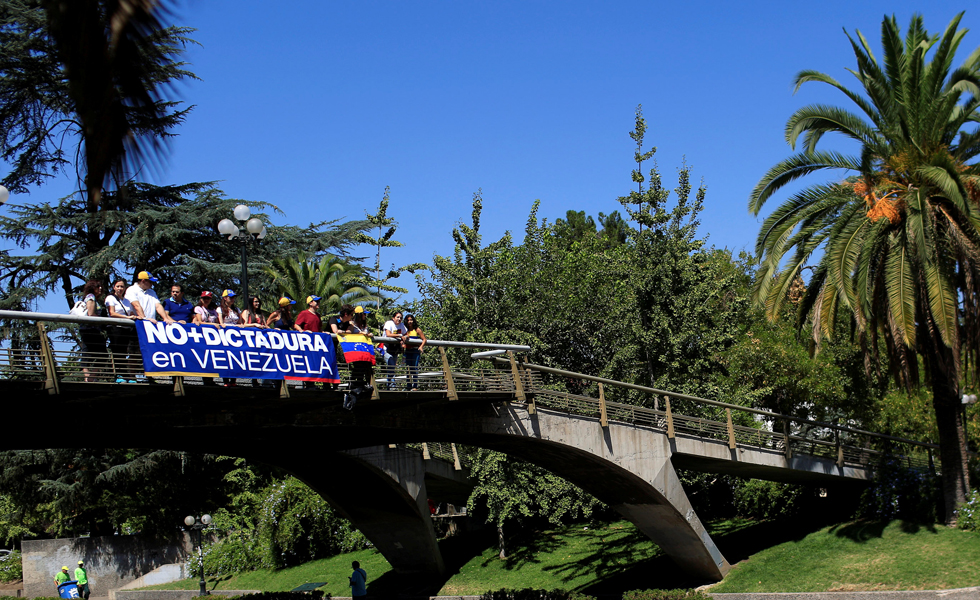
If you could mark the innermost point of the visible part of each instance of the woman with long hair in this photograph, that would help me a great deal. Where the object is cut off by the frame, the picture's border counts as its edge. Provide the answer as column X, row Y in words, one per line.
column 229, row 313
column 253, row 316
column 412, row 352
column 91, row 339
column 204, row 312
column 122, row 338
column 282, row 318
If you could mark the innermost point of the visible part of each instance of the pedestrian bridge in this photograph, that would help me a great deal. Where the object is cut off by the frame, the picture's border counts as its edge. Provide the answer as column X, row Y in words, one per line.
column 623, row 454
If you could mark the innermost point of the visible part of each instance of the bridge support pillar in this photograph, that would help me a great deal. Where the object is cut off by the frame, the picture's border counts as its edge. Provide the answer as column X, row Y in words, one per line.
column 626, row 466
column 382, row 491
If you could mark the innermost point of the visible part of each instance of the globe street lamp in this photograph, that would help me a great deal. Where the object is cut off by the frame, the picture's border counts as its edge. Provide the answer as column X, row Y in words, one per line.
column 195, row 524
column 253, row 229
column 4, row 194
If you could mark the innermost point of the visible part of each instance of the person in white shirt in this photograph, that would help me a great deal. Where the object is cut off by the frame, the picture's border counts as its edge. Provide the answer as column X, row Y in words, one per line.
column 122, row 339
column 393, row 328
column 145, row 300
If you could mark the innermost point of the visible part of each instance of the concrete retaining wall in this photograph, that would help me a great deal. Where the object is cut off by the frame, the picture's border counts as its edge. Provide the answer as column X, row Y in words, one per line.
column 111, row 561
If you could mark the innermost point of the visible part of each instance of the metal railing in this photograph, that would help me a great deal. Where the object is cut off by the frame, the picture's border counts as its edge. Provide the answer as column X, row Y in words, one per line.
column 443, row 451
column 58, row 363
column 846, row 446
column 523, row 382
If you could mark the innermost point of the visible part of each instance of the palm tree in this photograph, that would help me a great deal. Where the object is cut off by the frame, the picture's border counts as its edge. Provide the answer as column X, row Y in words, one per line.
column 118, row 59
column 900, row 239
column 334, row 279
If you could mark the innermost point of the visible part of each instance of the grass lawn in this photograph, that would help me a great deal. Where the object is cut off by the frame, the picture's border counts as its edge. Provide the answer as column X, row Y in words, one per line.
column 614, row 557
column 860, row 557
column 605, row 558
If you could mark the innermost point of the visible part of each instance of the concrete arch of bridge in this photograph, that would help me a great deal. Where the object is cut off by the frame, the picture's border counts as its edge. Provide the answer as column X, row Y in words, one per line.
column 627, row 466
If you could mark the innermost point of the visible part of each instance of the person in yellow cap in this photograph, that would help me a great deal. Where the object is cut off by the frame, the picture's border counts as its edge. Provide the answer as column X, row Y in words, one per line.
column 282, row 318
column 62, row 577
column 309, row 319
column 81, row 577
column 145, row 300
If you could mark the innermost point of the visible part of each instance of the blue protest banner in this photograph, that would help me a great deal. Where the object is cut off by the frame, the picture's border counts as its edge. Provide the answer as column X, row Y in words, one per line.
column 236, row 352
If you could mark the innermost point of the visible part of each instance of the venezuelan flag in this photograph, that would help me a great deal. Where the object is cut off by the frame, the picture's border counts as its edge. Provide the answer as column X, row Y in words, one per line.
column 357, row 347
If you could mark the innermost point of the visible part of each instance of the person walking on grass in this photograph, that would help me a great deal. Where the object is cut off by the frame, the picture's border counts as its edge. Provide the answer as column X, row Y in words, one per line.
column 358, row 581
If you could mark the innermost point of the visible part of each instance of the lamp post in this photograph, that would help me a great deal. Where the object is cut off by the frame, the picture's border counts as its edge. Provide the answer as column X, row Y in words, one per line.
column 243, row 233
column 195, row 524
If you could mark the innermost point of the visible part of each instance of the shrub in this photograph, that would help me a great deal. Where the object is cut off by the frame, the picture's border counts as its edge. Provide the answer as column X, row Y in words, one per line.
column 968, row 517
column 11, row 568
column 532, row 594
column 294, row 525
column 900, row 492
column 666, row 595
column 767, row 499
column 235, row 554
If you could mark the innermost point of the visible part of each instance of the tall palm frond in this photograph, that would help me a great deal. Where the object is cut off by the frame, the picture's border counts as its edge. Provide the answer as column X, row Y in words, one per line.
column 333, row 279
column 110, row 54
column 899, row 241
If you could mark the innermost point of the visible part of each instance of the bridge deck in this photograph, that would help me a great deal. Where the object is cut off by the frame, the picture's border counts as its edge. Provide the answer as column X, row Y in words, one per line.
column 33, row 371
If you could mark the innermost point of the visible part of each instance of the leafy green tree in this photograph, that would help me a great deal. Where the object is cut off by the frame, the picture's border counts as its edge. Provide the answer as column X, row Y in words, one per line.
column 579, row 305
column 333, row 279
column 465, row 297
column 615, row 229
column 676, row 305
column 772, row 368
column 55, row 493
column 379, row 281
column 900, row 245
column 577, row 227
column 296, row 525
column 167, row 230
column 512, row 490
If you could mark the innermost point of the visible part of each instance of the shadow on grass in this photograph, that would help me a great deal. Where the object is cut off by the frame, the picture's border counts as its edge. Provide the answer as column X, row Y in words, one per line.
column 739, row 543
column 619, row 559
column 456, row 552
column 529, row 545
column 862, row 531
column 737, row 540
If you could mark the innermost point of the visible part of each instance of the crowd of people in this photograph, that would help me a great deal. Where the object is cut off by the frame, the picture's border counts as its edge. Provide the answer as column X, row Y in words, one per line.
column 139, row 301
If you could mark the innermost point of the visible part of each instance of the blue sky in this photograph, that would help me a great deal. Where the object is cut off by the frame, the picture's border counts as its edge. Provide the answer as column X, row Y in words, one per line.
column 317, row 106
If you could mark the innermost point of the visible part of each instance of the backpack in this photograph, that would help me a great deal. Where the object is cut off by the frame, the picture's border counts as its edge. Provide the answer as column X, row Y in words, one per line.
column 80, row 309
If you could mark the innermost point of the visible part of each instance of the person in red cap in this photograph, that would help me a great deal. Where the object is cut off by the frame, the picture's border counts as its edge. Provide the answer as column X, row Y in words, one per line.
column 205, row 312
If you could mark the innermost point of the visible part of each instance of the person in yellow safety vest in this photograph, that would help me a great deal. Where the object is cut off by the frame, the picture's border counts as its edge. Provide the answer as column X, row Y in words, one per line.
column 62, row 576
column 82, row 577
